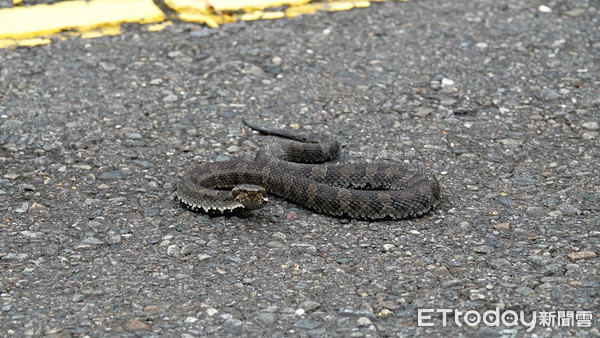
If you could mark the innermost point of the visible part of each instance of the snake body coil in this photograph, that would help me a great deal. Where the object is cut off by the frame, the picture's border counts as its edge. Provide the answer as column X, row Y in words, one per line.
column 361, row 191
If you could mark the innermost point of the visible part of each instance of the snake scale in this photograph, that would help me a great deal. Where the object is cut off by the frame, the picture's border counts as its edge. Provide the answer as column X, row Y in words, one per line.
column 362, row 191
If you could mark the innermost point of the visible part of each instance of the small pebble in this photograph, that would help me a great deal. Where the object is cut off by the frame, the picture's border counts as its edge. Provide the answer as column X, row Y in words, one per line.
column 385, row 313
column 349, row 312
column 499, row 263
column 524, row 290
column 503, row 226
column 11, row 125
column 423, row 112
column 203, row 257
column 11, row 256
column 27, row 187
column 92, row 241
column 203, row 32
column 483, row 249
column 228, row 113
column 447, row 82
column 77, row 298
column 135, row 325
column 173, row 250
column 363, row 321
column 143, row 163
column 276, row 60
column 493, row 240
column 576, row 11
column 310, row 305
column 174, row 54
column 190, row 320
column 510, row 141
column 114, row 239
column 170, row 98
column 188, row 249
column 581, row 255
column 568, row 209
column 133, row 136
column 388, row 247
column 591, row 125
column 307, row 324
column 11, row 175
column 112, row 175
column 266, row 318
column 550, row 93
column 107, row 66
column 441, row 272
column 22, row 207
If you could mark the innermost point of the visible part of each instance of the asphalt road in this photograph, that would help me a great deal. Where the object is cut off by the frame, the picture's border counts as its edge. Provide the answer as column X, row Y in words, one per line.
column 500, row 100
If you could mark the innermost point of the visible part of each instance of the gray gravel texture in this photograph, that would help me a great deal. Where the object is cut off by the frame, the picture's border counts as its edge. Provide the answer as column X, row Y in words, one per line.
column 499, row 100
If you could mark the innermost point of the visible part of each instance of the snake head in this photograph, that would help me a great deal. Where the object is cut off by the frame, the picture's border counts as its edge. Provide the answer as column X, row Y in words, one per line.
column 251, row 196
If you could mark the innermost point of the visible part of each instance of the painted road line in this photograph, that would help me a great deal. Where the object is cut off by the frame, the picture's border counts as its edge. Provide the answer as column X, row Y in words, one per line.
column 331, row 6
column 43, row 20
column 210, row 7
column 35, row 25
column 216, row 13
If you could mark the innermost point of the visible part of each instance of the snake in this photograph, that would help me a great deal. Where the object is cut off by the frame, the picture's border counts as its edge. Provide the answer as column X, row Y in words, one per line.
column 294, row 167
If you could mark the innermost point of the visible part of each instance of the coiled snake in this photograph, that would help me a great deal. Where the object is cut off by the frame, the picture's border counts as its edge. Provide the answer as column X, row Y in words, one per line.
column 361, row 191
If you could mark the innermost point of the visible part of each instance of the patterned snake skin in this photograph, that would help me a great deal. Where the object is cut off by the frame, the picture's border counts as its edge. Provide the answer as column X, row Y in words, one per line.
column 361, row 191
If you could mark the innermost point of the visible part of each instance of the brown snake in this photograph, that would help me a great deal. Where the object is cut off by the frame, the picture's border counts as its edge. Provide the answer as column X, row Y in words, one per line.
column 361, row 191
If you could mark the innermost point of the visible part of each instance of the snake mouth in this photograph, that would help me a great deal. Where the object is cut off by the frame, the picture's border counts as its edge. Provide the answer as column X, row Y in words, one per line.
column 251, row 196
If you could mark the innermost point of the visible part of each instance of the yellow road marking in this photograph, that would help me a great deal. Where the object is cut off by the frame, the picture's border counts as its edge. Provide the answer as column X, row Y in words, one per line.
column 326, row 6
column 217, row 12
column 102, row 31
column 210, row 7
column 32, row 42
column 42, row 20
column 30, row 26
column 159, row 27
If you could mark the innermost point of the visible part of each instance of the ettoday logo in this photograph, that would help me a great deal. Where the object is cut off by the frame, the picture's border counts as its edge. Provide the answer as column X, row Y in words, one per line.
column 507, row 318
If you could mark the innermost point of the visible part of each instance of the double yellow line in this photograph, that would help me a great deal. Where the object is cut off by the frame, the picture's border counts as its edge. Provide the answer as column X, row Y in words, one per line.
column 36, row 25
